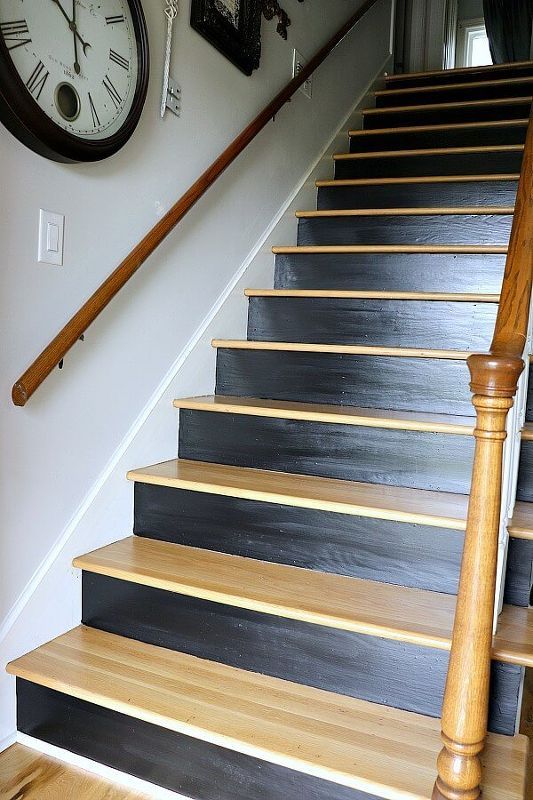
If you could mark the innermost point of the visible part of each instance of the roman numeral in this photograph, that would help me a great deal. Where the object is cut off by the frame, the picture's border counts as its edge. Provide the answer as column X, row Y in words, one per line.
column 115, row 20
column 111, row 90
column 94, row 113
column 118, row 59
column 12, row 30
column 37, row 80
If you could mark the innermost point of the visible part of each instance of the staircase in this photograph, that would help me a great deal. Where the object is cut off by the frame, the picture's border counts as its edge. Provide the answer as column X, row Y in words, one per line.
column 279, row 625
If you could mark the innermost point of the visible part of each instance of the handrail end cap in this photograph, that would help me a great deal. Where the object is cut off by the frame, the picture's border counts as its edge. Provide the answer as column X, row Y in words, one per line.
column 19, row 394
column 495, row 375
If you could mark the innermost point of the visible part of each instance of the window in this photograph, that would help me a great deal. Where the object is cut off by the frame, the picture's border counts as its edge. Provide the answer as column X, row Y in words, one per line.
column 472, row 44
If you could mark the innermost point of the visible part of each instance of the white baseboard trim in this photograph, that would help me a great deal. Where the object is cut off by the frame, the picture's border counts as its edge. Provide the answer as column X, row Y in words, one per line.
column 71, row 526
column 7, row 741
column 100, row 770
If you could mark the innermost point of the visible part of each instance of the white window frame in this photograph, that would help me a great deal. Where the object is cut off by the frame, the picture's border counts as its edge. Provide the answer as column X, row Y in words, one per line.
column 466, row 29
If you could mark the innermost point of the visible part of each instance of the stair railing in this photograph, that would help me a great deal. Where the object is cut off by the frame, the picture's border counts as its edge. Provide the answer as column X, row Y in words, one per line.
column 495, row 380
column 75, row 328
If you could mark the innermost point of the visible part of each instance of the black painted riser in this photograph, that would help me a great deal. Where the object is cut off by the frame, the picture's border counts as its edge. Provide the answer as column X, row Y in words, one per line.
column 442, row 116
column 429, row 165
column 519, row 579
column 467, row 137
column 406, row 272
column 406, row 229
column 395, row 383
column 525, row 472
column 187, row 766
column 453, row 76
column 464, row 94
column 529, row 405
column 418, row 195
column 388, row 323
column 381, row 671
column 418, row 556
column 432, row 461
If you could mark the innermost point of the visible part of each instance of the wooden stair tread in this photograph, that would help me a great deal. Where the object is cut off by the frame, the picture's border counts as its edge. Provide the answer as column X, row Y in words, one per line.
column 350, row 294
column 406, row 212
column 488, row 69
column 314, row 412
column 343, row 349
column 414, row 616
column 499, row 101
column 440, row 509
column 422, row 179
column 498, row 123
column 435, row 88
column 430, row 151
column 374, row 749
column 527, row 432
column 392, row 248
column 521, row 525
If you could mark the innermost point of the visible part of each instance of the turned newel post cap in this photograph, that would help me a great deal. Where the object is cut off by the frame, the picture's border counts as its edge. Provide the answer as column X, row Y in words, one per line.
column 495, row 375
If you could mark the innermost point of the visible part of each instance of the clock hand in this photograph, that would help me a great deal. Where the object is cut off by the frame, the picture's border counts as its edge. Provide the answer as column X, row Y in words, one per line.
column 77, row 68
column 73, row 27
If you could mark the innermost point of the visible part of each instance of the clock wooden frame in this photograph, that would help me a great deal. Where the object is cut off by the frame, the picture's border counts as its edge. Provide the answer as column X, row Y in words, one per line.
column 22, row 115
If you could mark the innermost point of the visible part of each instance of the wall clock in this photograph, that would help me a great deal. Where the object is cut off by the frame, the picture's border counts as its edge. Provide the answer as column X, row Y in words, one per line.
column 73, row 75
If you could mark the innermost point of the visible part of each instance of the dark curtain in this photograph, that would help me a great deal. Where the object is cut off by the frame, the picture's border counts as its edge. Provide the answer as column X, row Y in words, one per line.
column 509, row 24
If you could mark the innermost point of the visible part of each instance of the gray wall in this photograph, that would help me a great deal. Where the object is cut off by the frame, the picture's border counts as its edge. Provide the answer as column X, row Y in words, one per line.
column 470, row 9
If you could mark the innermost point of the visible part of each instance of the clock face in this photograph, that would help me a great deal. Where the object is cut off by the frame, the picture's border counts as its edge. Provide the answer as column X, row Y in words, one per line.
column 83, row 64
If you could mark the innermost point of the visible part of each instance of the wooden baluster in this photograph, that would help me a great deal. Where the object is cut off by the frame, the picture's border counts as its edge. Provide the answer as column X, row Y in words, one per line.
column 466, row 698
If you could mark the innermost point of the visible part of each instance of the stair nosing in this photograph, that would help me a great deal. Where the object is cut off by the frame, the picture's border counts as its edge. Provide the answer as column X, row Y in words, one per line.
column 459, row 297
column 515, row 123
column 335, row 182
column 434, row 151
column 340, row 415
column 392, row 248
column 347, row 349
column 416, row 211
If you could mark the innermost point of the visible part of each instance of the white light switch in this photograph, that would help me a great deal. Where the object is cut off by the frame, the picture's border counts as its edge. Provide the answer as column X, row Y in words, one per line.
column 51, row 229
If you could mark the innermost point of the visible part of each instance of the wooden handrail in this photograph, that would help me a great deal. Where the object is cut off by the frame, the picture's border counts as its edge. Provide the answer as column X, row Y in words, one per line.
column 82, row 319
column 494, row 382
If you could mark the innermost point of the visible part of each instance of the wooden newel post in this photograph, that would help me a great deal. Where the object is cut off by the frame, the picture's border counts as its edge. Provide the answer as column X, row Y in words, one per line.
column 494, row 380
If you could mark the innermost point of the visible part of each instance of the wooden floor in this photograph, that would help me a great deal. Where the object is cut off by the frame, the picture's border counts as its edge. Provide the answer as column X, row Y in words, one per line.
column 28, row 775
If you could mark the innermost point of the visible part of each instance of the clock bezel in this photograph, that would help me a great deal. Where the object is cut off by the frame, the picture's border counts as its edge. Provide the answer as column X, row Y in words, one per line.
column 25, row 119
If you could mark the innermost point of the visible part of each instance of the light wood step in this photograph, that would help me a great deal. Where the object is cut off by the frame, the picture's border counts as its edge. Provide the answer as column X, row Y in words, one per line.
column 361, row 606
column 370, row 748
column 406, row 212
column 393, row 248
column 348, row 294
column 457, row 126
column 527, row 432
column 435, row 89
column 459, row 70
column 440, row 509
column 521, row 525
column 429, row 107
column 433, row 151
column 338, row 415
column 512, row 176
column 344, row 349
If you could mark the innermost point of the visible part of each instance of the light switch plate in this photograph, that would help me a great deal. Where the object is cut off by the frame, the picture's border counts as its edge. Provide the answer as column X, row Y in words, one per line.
column 298, row 63
column 51, row 236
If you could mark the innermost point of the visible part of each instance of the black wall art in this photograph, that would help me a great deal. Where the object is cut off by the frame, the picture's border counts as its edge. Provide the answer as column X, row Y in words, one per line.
column 234, row 27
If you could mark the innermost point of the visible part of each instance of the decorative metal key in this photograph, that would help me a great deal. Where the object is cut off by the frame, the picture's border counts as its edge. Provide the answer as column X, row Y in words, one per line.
column 171, row 98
